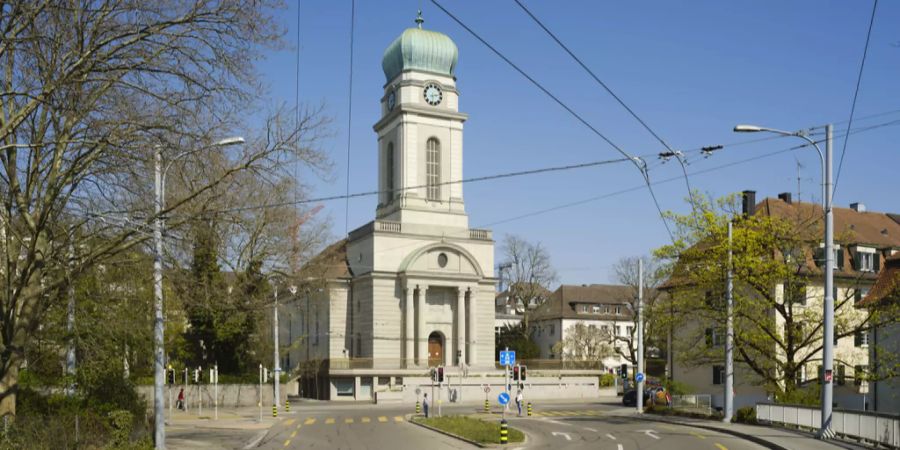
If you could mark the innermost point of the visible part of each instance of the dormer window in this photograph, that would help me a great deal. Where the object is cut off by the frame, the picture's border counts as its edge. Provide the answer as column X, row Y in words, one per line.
column 865, row 259
column 838, row 257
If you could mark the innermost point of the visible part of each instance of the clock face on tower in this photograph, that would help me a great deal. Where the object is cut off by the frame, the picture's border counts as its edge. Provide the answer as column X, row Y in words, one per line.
column 391, row 100
column 433, row 94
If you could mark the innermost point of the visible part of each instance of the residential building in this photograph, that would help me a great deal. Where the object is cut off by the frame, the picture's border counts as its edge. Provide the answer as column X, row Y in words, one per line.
column 862, row 240
column 884, row 338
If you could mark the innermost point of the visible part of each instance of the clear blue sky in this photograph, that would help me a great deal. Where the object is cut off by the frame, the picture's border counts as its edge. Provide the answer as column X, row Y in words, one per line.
column 692, row 70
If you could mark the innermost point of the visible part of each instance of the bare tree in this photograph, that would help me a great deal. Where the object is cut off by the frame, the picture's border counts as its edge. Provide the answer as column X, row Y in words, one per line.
column 530, row 274
column 584, row 343
column 87, row 91
column 625, row 271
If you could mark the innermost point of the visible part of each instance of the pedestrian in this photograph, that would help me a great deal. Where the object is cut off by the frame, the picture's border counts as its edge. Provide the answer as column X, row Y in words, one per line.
column 519, row 398
column 425, row 405
column 180, row 403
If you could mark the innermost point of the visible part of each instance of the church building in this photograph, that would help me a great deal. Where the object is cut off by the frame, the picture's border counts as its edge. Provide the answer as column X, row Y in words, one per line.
column 414, row 288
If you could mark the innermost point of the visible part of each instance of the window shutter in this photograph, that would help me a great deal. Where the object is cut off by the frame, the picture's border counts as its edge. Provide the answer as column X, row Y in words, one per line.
column 819, row 256
column 840, row 259
column 857, row 339
column 821, row 375
column 717, row 374
column 709, row 337
column 876, row 262
column 857, row 260
column 841, row 375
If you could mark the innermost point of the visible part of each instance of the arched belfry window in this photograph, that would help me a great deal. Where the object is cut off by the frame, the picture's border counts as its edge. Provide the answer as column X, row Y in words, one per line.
column 389, row 172
column 433, row 168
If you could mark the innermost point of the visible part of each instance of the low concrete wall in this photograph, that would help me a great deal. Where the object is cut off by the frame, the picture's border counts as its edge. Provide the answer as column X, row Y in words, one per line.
column 229, row 395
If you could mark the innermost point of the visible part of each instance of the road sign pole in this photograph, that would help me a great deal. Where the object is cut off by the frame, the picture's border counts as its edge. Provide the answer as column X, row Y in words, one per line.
column 640, row 337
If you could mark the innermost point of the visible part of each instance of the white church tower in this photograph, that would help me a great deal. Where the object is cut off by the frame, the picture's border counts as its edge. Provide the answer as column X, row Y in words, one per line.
column 422, row 279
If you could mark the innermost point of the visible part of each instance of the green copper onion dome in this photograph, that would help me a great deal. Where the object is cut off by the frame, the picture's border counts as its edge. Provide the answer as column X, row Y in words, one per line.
column 419, row 49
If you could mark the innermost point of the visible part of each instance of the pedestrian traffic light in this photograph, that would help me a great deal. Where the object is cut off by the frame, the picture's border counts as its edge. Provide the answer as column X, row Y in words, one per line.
column 170, row 375
column 440, row 374
column 515, row 373
column 522, row 373
column 624, row 371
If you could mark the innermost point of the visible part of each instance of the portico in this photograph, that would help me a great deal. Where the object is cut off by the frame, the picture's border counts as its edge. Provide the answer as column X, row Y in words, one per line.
column 423, row 313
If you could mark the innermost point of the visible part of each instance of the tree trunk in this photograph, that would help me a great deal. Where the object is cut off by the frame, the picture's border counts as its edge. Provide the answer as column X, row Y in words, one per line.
column 9, row 385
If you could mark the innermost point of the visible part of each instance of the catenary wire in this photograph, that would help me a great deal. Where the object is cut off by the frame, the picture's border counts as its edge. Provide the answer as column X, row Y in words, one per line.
column 349, row 115
column 862, row 66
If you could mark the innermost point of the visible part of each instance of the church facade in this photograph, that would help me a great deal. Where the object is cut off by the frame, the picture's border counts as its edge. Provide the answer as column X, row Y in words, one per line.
column 414, row 288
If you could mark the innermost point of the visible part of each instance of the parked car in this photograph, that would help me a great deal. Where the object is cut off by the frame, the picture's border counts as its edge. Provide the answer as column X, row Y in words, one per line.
column 630, row 398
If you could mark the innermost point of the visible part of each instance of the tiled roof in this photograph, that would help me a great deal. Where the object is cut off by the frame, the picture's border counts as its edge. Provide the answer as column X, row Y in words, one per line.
column 870, row 227
column 887, row 287
column 329, row 264
column 563, row 303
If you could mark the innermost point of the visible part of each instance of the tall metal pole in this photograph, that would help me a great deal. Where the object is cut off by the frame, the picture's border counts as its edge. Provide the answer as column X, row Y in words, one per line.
column 640, row 337
column 828, row 344
column 275, row 355
column 729, row 336
column 158, row 368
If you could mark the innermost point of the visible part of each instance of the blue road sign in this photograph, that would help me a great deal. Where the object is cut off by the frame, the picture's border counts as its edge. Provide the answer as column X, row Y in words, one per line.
column 507, row 358
column 639, row 377
column 503, row 398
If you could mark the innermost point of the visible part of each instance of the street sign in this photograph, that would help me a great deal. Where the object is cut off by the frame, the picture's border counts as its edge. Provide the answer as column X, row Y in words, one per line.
column 418, row 391
column 828, row 376
column 507, row 358
column 503, row 398
column 639, row 377
column 487, row 389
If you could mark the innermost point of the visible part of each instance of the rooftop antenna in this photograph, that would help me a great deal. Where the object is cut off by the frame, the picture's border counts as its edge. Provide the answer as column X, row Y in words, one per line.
column 419, row 19
column 799, row 166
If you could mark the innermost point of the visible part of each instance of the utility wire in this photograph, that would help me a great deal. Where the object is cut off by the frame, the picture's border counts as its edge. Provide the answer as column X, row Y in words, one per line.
column 349, row 115
column 638, row 162
column 862, row 65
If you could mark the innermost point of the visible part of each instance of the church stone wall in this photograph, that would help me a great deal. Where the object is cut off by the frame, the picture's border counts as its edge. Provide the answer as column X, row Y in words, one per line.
column 387, row 319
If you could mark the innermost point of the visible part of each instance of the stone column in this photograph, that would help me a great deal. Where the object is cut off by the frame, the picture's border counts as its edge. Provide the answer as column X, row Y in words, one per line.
column 421, row 333
column 409, row 323
column 473, row 327
column 460, row 325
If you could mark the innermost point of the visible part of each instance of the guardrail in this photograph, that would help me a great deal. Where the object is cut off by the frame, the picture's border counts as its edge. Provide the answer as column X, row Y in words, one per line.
column 701, row 403
column 877, row 428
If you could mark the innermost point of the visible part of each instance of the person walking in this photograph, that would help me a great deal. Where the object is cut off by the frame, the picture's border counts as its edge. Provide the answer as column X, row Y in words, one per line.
column 425, row 405
column 180, row 403
column 519, row 398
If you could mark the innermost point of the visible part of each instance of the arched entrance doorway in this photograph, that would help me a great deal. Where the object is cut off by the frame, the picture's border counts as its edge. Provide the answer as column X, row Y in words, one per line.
column 435, row 349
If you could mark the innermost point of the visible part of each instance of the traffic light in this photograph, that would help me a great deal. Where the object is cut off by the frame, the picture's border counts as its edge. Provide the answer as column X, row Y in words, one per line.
column 624, row 371
column 170, row 375
column 515, row 373
column 522, row 373
column 440, row 374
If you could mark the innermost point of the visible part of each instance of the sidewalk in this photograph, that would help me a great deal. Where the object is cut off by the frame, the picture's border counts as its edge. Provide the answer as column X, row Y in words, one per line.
column 235, row 427
column 767, row 436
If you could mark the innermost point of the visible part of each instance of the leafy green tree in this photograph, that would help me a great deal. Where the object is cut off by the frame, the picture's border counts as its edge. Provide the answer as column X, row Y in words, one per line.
column 515, row 337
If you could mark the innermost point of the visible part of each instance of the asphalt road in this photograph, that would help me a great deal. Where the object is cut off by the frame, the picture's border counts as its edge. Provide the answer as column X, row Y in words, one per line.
column 575, row 426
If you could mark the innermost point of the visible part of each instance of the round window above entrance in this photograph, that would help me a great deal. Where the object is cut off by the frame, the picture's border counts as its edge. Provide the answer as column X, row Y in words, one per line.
column 442, row 260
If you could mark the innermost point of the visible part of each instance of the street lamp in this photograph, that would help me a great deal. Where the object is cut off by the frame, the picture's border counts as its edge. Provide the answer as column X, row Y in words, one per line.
column 828, row 338
column 159, row 347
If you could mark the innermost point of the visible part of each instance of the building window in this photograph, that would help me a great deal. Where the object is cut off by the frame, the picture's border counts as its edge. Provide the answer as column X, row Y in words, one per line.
column 596, row 309
column 795, row 293
column 859, row 294
column 859, row 374
column 865, row 262
column 715, row 337
column 628, row 330
column 618, row 310
column 718, row 374
column 584, row 308
column 861, row 339
column 552, row 329
column 389, row 172
column 841, row 374
column 433, row 169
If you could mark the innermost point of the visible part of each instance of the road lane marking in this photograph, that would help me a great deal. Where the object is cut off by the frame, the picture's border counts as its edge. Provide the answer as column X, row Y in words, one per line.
column 366, row 420
column 611, row 437
column 559, row 423
column 329, row 421
column 590, row 429
column 721, row 447
column 398, row 419
column 287, row 442
column 619, row 447
column 697, row 435
column 348, row 420
column 382, row 419
column 299, row 425
column 565, row 435
column 289, row 422
column 651, row 433
column 670, row 427
column 310, row 421
column 294, row 434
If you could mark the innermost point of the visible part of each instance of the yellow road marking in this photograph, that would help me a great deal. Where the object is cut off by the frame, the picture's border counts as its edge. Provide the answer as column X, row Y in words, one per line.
column 398, row 419
column 348, row 420
column 382, row 419
column 298, row 426
column 287, row 442
column 289, row 422
column 310, row 421
column 721, row 447
column 698, row 435
column 329, row 421
column 366, row 420
column 670, row 427
column 294, row 434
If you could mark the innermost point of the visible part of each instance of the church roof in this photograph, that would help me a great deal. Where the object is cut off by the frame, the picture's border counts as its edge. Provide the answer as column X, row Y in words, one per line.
column 418, row 49
column 329, row 264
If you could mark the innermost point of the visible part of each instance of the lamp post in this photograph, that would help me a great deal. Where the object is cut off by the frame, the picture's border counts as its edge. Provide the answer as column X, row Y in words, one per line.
column 828, row 338
column 159, row 183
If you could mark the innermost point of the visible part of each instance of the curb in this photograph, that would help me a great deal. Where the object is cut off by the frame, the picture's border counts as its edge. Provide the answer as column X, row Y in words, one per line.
column 749, row 437
column 446, row 433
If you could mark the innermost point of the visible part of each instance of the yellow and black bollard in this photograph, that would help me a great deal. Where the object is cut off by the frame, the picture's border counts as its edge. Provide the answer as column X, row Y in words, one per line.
column 274, row 411
column 418, row 407
column 504, row 432
column 487, row 406
column 529, row 409
column 287, row 406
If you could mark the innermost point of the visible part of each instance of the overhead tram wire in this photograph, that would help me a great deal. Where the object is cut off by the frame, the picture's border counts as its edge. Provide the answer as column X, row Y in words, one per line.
column 618, row 99
column 638, row 162
column 862, row 66
column 349, row 115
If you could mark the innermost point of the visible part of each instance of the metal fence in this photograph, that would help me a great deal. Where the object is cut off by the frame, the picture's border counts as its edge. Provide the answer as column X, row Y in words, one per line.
column 877, row 428
column 700, row 403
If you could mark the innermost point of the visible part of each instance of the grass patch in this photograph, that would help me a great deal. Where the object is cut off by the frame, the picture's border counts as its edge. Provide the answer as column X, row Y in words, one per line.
column 477, row 430
column 664, row 411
